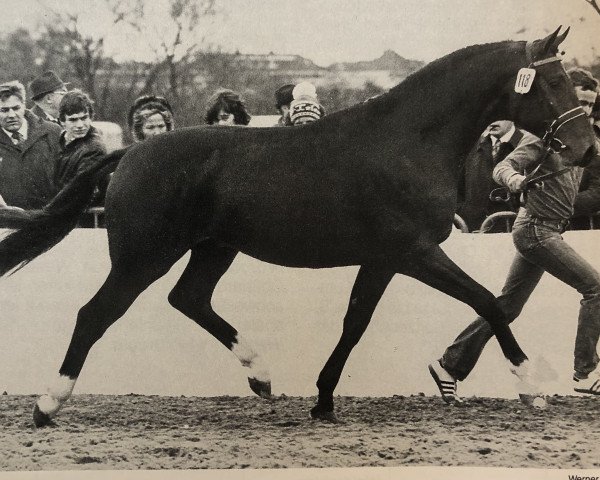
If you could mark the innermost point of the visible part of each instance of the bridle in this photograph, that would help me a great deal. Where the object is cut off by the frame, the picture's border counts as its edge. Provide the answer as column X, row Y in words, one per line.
column 551, row 143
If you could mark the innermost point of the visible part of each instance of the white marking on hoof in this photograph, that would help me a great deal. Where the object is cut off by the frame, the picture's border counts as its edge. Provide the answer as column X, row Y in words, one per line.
column 521, row 371
column 250, row 359
column 58, row 393
column 48, row 405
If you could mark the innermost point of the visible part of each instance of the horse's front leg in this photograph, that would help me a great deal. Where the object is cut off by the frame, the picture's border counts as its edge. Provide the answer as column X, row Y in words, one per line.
column 366, row 293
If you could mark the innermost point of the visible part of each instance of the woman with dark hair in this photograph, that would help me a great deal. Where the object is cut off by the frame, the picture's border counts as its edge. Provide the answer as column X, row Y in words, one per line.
column 226, row 107
column 150, row 115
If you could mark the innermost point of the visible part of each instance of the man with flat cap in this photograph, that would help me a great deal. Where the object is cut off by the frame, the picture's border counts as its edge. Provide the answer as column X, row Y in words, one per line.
column 47, row 91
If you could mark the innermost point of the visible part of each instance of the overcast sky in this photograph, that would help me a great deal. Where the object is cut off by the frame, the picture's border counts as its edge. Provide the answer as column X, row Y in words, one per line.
column 328, row 31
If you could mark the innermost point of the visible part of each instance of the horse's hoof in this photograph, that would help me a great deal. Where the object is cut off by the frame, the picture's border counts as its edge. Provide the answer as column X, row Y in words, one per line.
column 262, row 389
column 317, row 413
column 41, row 419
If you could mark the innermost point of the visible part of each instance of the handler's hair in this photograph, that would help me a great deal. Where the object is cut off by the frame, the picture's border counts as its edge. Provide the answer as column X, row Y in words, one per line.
column 583, row 78
column 11, row 88
column 230, row 102
column 75, row 101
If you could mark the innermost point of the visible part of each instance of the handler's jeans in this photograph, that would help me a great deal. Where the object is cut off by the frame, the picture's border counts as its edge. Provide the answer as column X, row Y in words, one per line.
column 540, row 247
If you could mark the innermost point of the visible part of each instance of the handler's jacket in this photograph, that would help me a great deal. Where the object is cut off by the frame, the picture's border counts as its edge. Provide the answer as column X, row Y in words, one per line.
column 28, row 171
column 556, row 199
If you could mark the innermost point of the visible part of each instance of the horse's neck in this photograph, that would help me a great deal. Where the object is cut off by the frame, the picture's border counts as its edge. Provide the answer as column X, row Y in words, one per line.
column 456, row 97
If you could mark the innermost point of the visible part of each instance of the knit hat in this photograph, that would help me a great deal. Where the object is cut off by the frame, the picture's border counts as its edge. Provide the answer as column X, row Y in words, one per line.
column 305, row 105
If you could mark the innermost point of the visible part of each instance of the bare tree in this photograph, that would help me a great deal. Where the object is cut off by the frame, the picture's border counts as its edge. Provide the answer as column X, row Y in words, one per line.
column 178, row 41
column 81, row 54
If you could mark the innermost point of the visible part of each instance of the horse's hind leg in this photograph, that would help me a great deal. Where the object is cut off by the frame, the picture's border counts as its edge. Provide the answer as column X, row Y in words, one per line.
column 368, row 288
column 435, row 269
column 192, row 296
column 116, row 295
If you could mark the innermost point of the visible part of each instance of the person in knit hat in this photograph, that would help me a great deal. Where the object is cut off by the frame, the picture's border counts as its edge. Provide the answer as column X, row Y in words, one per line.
column 305, row 108
column 283, row 98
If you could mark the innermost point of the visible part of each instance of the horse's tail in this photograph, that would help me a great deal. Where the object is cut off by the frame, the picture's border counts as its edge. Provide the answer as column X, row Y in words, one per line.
column 39, row 230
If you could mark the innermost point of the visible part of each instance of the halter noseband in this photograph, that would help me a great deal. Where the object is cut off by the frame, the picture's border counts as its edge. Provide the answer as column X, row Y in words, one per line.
column 551, row 143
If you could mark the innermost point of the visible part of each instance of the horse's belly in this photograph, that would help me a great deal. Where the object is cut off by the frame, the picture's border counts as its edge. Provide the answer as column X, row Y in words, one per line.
column 294, row 246
column 323, row 241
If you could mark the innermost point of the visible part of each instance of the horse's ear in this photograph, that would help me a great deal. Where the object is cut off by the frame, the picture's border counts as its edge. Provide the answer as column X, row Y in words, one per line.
column 561, row 38
column 552, row 41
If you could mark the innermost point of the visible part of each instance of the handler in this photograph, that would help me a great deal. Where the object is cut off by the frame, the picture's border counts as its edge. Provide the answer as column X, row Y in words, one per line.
column 540, row 247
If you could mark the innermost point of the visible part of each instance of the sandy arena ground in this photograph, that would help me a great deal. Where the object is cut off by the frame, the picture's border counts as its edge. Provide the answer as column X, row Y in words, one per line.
column 152, row 432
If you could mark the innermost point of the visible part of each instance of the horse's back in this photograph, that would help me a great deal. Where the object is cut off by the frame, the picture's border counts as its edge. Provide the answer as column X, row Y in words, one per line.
column 293, row 196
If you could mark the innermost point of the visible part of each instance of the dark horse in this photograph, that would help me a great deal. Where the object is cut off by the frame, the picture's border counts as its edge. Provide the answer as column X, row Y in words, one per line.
column 374, row 185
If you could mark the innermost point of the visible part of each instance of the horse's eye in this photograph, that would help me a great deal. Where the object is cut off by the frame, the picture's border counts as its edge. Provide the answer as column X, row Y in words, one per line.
column 554, row 83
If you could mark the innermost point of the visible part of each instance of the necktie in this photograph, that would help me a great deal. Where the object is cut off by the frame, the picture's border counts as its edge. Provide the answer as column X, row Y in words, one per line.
column 496, row 149
column 17, row 138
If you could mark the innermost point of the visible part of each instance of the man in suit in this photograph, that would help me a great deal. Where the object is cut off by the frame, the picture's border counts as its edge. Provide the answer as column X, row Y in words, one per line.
column 47, row 91
column 29, row 152
column 498, row 140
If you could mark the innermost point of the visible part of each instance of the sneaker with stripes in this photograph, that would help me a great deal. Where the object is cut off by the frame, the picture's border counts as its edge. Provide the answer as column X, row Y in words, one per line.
column 590, row 385
column 445, row 382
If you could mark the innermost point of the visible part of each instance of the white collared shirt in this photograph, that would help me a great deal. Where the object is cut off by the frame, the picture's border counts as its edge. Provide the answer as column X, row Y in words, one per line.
column 23, row 131
column 504, row 138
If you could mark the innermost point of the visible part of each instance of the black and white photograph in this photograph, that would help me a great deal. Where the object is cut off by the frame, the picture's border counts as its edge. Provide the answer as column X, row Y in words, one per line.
column 284, row 239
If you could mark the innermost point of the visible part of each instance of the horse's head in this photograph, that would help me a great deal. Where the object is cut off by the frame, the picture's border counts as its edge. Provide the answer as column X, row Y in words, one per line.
column 543, row 101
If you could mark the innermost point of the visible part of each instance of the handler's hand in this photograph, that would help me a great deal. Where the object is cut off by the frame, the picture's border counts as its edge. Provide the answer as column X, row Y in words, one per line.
column 516, row 183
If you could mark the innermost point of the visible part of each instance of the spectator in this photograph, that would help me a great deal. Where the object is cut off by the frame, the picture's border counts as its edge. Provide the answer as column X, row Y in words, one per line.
column 283, row 98
column 587, row 202
column 596, row 115
column 305, row 108
column 47, row 91
column 80, row 142
column 226, row 107
column 150, row 115
column 30, row 152
column 498, row 140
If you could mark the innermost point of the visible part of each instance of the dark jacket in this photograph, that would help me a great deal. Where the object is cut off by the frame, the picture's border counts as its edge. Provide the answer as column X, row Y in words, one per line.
column 27, row 171
column 587, row 202
column 37, row 111
column 78, row 155
column 477, row 183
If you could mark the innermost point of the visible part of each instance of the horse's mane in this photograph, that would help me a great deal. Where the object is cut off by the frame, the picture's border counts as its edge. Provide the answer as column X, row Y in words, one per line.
column 416, row 82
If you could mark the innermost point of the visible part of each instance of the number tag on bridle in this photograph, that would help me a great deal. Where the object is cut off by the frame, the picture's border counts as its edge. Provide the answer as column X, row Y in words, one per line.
column 524, row 80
